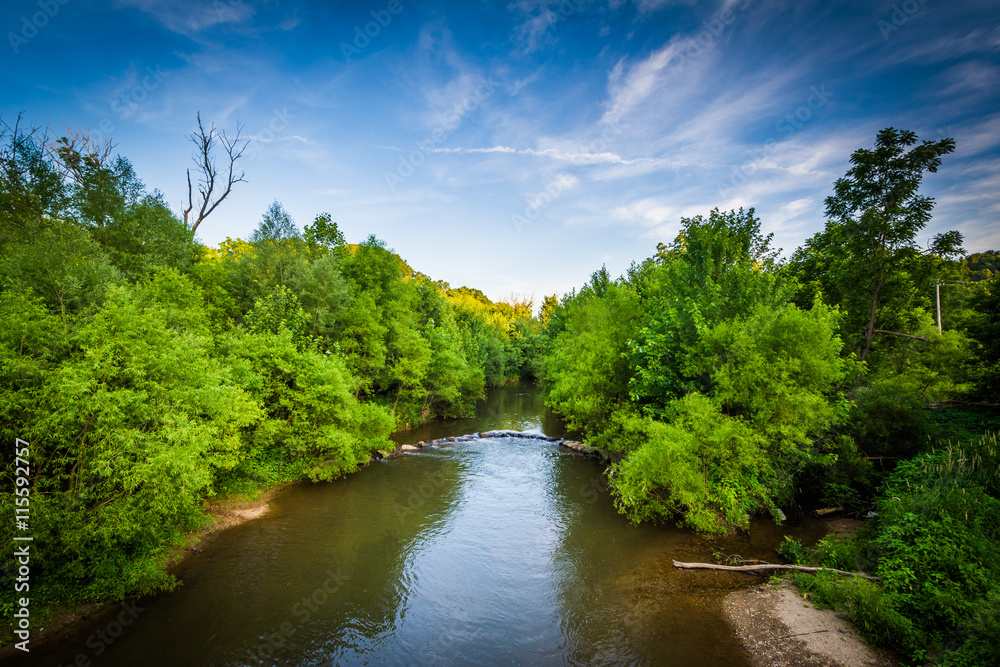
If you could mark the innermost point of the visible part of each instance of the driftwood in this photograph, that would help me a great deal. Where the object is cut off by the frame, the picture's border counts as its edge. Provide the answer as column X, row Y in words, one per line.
column 751, row 568
column 827, row 510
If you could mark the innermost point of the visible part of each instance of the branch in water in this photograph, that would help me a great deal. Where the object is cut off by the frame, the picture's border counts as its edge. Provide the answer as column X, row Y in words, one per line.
column 750, row 568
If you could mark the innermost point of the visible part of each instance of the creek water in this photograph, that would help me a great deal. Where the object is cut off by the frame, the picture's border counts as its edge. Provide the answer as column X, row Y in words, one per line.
column 496, row 551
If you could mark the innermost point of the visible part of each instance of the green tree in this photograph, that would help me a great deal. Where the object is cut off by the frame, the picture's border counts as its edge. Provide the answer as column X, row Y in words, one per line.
column 986, row 332
column 31, row 190
column 716, row 269
column 323, row 235
column 279, row 310
column 867, row 258
column 275, row 225
column 587, row 373
column 725, row 455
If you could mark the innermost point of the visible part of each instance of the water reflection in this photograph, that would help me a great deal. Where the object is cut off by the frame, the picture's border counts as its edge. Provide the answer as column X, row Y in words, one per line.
column 518, row 406
column 497, row 551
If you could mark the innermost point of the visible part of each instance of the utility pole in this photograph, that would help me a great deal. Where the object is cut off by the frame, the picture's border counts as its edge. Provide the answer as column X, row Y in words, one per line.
column 939, row 305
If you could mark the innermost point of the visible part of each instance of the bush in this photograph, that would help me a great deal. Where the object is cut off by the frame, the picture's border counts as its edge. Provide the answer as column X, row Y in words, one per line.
column 936, row 544
column 889, row 418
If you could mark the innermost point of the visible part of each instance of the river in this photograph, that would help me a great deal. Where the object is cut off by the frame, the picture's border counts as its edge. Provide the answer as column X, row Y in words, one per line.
column 496, row 551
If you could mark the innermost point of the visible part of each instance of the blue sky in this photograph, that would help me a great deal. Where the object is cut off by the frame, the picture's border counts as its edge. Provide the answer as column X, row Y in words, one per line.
column 518, row 146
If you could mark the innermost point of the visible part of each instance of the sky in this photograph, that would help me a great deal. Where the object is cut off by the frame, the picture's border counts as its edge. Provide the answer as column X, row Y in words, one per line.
column 518, row 146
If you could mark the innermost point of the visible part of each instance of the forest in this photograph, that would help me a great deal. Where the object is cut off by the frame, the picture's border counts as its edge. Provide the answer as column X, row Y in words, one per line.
column 150, row 373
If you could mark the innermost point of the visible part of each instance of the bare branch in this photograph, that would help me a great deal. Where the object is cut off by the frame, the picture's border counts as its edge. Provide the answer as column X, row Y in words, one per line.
column 902, row 335
column 76, row 150
column 213, row 187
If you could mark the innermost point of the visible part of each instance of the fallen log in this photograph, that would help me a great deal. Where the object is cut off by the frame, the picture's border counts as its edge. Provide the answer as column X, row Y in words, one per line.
column 768, row 566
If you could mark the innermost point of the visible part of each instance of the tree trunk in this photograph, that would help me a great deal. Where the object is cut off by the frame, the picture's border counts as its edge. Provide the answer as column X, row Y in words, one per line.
column 870, row 329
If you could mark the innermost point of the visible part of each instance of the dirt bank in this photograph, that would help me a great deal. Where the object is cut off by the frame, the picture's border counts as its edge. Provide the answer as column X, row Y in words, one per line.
column 228, row 512
column 778, row 627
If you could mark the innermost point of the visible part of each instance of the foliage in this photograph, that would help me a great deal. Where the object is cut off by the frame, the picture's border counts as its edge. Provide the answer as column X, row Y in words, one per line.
column 888, row 418
column 276, row 225
column 130, row 426
column 738, row 451
column 278, row 311
column 323, row 235
column 792, row 550
column 696, row 368
column 586, row 371
column 866, row 258
column 935, row 547
column 715, row 270
column 985, row 330
column 150, row 373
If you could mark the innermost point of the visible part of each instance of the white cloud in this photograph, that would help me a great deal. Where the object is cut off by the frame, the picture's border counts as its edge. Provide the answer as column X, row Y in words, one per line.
column 630, row 88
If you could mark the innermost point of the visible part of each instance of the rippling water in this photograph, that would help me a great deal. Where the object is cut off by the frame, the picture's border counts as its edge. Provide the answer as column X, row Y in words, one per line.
column 497, row 551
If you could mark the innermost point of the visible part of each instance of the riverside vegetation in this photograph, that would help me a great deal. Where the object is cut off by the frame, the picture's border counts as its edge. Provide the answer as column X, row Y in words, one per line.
column 151, row 373
column 728, row 382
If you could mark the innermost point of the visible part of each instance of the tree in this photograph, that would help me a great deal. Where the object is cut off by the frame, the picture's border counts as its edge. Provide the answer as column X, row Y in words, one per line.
column 717, row 268
column 213, row 185
column 31, row 189
column 276, row 225
column 986, row 331
column 323, row 235
column 868, row 248
column 549, row 305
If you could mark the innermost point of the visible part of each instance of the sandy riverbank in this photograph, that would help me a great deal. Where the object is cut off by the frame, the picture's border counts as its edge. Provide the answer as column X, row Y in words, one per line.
column 779, row 628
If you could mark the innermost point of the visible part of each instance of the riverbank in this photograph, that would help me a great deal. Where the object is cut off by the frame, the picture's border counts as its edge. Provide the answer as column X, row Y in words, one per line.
column 777, row 627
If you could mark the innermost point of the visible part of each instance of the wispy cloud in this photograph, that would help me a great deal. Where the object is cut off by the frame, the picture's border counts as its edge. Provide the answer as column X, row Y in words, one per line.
column 581, row 159
column 191, row 16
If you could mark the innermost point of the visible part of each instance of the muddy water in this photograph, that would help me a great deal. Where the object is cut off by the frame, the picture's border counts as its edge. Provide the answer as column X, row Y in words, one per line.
column 498, row 551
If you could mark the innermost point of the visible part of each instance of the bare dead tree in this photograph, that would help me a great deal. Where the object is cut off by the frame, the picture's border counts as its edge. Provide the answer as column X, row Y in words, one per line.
column 213, row 185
